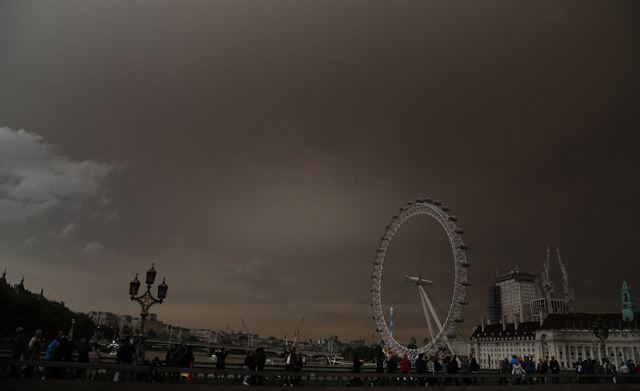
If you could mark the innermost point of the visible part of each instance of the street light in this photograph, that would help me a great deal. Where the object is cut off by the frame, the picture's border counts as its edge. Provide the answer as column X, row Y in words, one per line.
column 601, row 332
column 146, row 300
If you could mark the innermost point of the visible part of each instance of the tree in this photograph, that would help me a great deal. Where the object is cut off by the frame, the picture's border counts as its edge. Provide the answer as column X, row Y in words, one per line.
column 32, row 311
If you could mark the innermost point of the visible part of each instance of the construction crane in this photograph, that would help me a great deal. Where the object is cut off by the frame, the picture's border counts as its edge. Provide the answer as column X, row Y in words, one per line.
column 296, row 334
column 569, row 296
column 547, row 285
column 245, row 330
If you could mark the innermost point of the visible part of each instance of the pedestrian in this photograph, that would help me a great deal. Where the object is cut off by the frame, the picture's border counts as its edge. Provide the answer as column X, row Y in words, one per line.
column 83, row 357
column 432, row 370
column 290, row 363
column 249, row 365
column 356, row 367
column 474, row 367
column 530, row 369
column 554, row 366
column 57, row 351
column 421, row 369
column 405, row 364
column 155, row 374
column 542, row 370
column 94, row 359
column 463, row 361
column 125, row 356
column 18, row 351
column 186, row 361
column 221, row 358
column 170, row 361
column 380, row 358
column 392, row 366
column 261, row 362
column 624, row 368
column 438, row 367
column 452, row 368
column 519, row 373
column 298, row 367
column 405, row 368
column 33, row 353
column 505, row 369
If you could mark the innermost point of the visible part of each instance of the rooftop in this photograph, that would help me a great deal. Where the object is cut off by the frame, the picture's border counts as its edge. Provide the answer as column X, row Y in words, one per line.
column 516, row 275
column 583, row 321
column 495, row 329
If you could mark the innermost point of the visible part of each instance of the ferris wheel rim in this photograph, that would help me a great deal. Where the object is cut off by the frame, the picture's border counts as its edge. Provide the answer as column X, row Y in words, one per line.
column 435, row 209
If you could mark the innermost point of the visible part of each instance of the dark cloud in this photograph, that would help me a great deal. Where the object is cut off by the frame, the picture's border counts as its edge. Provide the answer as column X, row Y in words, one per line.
column 255, row 151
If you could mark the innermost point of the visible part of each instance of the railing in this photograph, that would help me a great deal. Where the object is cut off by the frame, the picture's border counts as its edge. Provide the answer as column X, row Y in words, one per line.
column 159, row 374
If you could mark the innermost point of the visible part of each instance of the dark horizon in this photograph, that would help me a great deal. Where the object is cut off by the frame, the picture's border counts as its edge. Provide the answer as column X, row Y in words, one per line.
column 256, row 151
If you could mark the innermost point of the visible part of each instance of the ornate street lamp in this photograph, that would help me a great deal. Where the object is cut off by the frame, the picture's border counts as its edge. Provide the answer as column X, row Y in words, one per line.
column 134, row 286
column 146, row 300
column 601, row 332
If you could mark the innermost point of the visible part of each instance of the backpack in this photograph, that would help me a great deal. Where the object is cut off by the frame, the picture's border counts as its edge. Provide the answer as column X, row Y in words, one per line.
column 52, row 349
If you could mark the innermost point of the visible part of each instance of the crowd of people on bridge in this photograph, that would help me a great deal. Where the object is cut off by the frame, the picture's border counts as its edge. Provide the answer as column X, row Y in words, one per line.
column 391, row 363
column 62, row 348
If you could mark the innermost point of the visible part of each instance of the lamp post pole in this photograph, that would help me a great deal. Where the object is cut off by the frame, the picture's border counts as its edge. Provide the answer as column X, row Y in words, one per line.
column 601, row 332
column 146, row 300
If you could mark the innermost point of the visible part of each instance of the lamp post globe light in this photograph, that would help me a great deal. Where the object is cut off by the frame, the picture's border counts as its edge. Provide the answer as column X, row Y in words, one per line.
column 601, row 332
column 146, row 300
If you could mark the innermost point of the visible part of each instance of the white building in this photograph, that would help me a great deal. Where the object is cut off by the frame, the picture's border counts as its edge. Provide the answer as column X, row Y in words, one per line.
column 568, row 337
column 493, row 343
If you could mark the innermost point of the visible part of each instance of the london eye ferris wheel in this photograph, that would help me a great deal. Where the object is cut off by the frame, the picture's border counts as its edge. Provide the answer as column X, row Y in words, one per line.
column 441, row 331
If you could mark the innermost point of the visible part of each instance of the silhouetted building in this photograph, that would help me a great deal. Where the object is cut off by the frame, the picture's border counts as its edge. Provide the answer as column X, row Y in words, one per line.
column 3, row 279
column 19, row 288
column 495, row 304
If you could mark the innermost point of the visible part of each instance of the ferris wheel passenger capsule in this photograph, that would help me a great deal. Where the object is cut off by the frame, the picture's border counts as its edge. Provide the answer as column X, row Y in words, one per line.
column 453, row 218
column 437, row 203
column 463, row 247
column 459, row 231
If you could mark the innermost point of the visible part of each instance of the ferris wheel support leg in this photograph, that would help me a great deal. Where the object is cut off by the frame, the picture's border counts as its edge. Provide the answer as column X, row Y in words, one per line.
column 426, row 313
column 434, row 313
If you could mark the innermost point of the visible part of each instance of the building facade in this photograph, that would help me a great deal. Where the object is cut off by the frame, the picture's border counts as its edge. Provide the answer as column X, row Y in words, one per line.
column 542, row 307
column 567, row 337
column 511, row 297
column 492, row 343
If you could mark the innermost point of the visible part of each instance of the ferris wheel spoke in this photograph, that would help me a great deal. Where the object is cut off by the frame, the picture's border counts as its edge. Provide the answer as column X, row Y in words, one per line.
column 426, row 315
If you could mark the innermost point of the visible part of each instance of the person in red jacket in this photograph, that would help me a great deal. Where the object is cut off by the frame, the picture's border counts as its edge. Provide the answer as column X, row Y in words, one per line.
column 405, row 367
column 405, row 364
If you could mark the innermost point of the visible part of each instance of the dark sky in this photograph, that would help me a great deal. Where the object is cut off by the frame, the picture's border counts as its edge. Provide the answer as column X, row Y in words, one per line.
column 256, row 150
